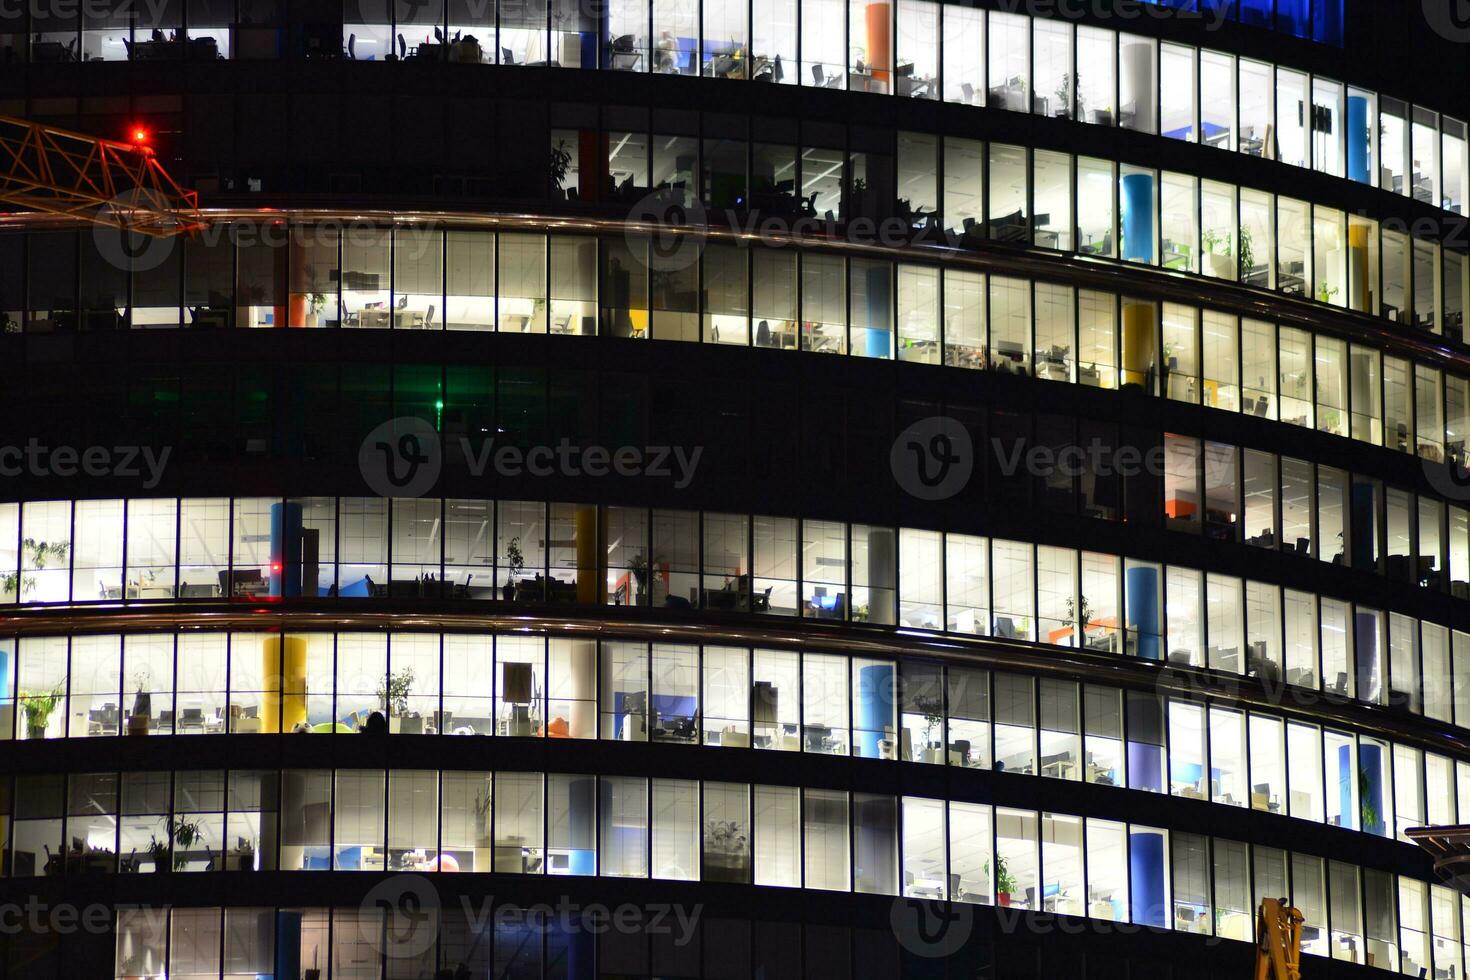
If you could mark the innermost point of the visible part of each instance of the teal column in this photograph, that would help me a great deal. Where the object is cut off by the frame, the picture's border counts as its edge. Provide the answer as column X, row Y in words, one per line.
column 1357, row 139
column 1138, row 217
column 874, row 708
column 288, row 946
column 1146, row 876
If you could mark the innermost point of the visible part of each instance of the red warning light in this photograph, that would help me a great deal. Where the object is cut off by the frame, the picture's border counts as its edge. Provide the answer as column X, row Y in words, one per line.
column 140, row 136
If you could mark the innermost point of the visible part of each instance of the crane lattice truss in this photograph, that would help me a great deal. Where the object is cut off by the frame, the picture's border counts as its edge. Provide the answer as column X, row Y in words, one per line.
column 104, row 181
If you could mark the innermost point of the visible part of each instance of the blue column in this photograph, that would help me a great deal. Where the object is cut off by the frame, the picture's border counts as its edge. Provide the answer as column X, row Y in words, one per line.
column 288, row 946
column 7, row 692
column 1138, row 217
column 579, row 946
column 1146, row 766
column 1293, row 17
column 286, row 549
column 1345, row 777
column 1143, row 609
column 1327, row 21
column 1357, row 139
column 879, row 313
column 1146, row 875
column 1366, row 655
column 1370, row 763
column 581, row 833
column 874, row 708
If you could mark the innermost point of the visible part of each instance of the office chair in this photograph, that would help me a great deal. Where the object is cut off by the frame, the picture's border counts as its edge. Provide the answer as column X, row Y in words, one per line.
column 817, row 76
column 439, row 35
column 403, row 302
column 402, row 47
column 506, row 58
column 778, row 70
column 967, row 91
column 429, row 317
column 352, row 47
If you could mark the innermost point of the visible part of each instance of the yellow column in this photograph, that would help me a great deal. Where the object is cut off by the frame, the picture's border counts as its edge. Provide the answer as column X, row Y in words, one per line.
column 1138, row 341
column 590, row 582
column 283, row 665
column 1358, row 267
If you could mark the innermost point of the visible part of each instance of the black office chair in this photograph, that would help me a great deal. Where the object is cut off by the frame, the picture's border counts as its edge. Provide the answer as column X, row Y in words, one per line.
column 402, row 47
column 429, row 316
column 817, row 79
column 352, row 47
column 506, row 58
column 778, row 70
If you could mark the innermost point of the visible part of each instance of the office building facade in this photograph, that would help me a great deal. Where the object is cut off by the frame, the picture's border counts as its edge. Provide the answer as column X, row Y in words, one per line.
column 458, row 559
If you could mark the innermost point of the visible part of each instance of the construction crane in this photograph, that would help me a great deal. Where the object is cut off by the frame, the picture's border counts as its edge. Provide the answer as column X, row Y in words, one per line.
column 1449, row 848
column 1278, row 940
column 103, row 181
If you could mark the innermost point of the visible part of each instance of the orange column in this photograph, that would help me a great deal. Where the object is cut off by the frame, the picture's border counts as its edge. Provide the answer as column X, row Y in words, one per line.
column 592, row 161
column 297, row 301
column 880, row 40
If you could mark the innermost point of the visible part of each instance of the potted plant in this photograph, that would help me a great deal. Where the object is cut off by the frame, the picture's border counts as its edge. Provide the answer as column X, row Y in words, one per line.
column 1079, row 616
column 561, row 165
column 1005, row 885
column 39, row 705
column 1064, row 90
column 1247, row 253
column 36, row 555
column 933, row 711
column 40, row 552
column 158, row 850
column 1217, row 254
column 393, row 696
column 1366, row 807
column 140, row 717
column 185, row 833
column 316, row 303
column 642, row 570
column 724, row 851
column 514, row 561
column 13, row 585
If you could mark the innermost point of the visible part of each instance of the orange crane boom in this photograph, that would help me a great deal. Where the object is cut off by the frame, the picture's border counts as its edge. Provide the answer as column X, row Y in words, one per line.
column 1278, row 940
column 105, row 181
